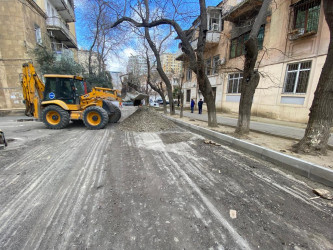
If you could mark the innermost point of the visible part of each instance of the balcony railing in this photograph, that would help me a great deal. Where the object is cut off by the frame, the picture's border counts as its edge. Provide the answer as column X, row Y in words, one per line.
column 61, row 31
column 65, row 8
column 212, row 40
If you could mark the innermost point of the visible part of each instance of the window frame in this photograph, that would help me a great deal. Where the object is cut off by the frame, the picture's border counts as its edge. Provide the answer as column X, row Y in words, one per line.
column 239, row 43
column 188, row 74
column 297, row 77
column 208, row 68
column 38, row 35
column 215, row 69
column 304, row 7
column 239, row 79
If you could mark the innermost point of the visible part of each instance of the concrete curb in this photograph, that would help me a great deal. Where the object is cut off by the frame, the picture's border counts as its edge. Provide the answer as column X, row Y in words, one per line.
column 311, row 171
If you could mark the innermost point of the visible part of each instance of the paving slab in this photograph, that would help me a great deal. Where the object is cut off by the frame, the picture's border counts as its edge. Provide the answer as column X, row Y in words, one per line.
column 268, row 128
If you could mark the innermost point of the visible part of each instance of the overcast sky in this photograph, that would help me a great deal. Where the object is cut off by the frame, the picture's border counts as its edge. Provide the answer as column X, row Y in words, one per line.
column 118, row 61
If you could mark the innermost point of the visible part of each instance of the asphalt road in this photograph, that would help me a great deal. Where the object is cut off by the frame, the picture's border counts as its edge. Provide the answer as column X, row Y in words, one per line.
column 109, row 189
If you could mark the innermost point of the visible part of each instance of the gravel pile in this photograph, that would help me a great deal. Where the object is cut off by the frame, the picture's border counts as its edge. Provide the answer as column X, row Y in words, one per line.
column 146, row 120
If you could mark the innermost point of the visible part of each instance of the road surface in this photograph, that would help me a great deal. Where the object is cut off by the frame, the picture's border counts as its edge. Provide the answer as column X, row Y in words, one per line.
column 110, row 189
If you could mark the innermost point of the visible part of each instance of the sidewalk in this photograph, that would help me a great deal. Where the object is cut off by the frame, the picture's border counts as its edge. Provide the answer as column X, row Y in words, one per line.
column 292, row 130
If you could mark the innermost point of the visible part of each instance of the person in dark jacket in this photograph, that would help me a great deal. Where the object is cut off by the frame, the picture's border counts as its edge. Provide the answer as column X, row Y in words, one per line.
column 200, row 106
column 192, row 105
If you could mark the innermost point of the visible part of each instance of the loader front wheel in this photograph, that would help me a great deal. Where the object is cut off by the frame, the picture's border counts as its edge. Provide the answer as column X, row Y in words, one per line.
column 95, row 117
column 54, row 117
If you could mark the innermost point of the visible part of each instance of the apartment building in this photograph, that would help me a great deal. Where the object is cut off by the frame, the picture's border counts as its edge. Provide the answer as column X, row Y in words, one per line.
column 137, row 65
column 170, row 65
column 25, row 25
column 293, row 44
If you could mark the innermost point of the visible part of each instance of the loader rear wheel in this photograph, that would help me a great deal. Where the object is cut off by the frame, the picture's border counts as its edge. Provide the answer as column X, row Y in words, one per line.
column 95, row 117
column 54, row 117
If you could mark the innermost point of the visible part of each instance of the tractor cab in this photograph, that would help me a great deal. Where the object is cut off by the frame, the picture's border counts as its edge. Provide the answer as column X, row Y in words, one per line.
column 67, row 88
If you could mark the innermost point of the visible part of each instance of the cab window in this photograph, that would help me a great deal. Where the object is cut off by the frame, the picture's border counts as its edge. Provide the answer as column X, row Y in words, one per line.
column 79, row 87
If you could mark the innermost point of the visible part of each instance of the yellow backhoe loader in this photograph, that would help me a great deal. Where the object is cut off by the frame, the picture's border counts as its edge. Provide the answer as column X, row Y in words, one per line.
column 65, row 97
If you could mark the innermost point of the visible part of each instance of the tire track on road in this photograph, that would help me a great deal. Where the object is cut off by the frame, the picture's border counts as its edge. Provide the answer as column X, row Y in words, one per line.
column 62, row 219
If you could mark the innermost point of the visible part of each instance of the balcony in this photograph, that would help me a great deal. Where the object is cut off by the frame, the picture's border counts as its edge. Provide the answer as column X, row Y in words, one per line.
column 212, row 40
column 65, row 8
column 244, row 10
column 60, row 31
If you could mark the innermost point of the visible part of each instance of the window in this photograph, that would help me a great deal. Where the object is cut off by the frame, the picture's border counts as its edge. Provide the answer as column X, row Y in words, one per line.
column 216, row 64
column 188, row 95
column 208, row 66
column 188, row 74
column 38, row 34
column 214, row 21
column 297, row 78
column 234, row 83
column 306, row 15
column 237, row 47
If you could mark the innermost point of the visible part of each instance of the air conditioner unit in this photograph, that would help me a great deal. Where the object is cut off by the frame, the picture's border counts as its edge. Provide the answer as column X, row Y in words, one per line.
column 221, row 61
column 215, row 26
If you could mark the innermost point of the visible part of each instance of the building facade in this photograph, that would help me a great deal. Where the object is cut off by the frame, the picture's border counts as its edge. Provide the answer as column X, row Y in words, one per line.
column 170, row 65
column 25, row 25
column 137, row 65
column 293, row 44
column 83, row 59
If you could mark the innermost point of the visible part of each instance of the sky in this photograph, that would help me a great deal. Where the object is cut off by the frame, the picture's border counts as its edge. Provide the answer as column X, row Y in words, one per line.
column 117, row 61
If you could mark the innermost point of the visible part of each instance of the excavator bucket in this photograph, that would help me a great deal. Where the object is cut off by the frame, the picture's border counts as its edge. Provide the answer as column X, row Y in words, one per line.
column 113, row 111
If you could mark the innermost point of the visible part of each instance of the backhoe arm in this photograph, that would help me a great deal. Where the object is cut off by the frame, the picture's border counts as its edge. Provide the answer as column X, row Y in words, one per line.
column 33, row 90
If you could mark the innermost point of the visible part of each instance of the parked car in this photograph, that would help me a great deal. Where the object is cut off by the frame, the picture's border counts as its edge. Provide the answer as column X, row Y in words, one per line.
column 154, row 104
column 160, row 101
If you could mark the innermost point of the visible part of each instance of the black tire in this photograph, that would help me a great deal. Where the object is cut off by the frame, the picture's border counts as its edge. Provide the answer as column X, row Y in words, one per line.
column 95, row 117
column 54, row 117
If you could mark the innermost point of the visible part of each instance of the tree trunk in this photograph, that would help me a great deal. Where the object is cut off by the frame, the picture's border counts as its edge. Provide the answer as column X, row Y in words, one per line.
column 181, row 114
column 251, row 77
column 320, row 121
column 207, row 92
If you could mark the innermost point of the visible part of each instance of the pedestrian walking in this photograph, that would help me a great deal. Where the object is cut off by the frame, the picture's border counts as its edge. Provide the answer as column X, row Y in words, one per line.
column 192, row 105
column 200, row 106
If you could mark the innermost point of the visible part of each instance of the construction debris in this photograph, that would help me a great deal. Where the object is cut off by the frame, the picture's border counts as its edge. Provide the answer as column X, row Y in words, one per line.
column 323, row 193
column 233, row 214
column 212, row 143
column 146, row 119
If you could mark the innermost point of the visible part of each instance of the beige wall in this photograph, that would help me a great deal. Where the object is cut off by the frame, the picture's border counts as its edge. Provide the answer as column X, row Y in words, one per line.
column 17, row 41
column 279, row 52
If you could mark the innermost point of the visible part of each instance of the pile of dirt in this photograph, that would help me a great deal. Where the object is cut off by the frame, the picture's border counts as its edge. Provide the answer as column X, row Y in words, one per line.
column 146, row 119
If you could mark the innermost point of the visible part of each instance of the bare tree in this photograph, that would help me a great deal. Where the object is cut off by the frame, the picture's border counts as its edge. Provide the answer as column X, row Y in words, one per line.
column 156, row 86
column 320, row 121
column 251, row 75
column 95, row 26
column 196, row 58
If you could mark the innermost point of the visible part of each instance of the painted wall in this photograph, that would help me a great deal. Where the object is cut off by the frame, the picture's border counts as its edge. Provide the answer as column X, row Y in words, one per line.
column 17, row 41
column 269, row 100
